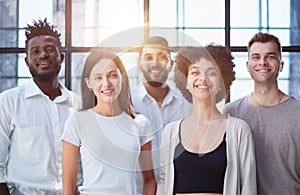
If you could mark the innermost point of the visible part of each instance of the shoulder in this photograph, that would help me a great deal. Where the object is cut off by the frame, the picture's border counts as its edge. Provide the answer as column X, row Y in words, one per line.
column 11, row 94
column 237, row 126
column 171, row 128
column 237, row 104
column 140, row 119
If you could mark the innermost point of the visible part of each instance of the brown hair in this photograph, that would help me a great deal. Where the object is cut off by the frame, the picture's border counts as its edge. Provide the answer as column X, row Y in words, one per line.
column 89, row 100
column 263, row 38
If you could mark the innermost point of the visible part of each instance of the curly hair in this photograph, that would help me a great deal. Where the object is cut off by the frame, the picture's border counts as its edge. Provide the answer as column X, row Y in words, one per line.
column 191, row 55
column 41, row 27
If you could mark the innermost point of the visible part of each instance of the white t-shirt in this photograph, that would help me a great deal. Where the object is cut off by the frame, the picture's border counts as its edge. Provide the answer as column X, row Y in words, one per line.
column 109, row 148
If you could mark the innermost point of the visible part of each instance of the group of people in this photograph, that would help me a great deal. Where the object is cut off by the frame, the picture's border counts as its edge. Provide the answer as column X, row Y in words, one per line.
column 153, row 139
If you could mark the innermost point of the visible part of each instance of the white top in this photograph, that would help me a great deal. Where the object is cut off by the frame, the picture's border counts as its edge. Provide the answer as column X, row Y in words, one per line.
column 109, row 148
column 31, row 126
column 174, row 107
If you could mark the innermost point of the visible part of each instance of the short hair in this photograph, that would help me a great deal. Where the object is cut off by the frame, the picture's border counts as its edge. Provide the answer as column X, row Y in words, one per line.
column 191, row 55
column 263, row 38
column 154, row 41
column 41, row 27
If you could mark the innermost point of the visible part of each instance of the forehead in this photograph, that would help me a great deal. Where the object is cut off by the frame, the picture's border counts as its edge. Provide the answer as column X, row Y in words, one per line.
column 203, row 64
column 104, row 66
column 42, row 40
column 154, row 50
column 263, row 48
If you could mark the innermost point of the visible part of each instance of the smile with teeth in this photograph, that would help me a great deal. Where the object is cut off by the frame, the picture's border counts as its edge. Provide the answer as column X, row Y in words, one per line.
column 202, row 86
column 263, row 70
column 106, row 92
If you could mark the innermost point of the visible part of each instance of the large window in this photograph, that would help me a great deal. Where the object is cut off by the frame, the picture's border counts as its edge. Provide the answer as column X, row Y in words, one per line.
column 122, row 25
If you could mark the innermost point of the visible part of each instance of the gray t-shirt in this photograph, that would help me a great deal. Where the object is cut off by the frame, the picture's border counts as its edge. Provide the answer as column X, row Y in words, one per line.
column 276, row 135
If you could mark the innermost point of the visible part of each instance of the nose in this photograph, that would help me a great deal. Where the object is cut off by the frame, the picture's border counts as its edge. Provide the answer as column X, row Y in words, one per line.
column 263, row 60
column 43, row 54
column 202, row 77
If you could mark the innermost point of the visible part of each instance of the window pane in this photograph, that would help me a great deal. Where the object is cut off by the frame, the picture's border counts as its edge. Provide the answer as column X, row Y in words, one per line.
column 279, row 13
column 94, row 21
column 244, row 13
column 163, row 13
column 207, row 36
column 204, row 13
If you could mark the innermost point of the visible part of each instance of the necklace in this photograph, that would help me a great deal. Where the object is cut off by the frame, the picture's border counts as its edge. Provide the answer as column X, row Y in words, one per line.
column 282, row 94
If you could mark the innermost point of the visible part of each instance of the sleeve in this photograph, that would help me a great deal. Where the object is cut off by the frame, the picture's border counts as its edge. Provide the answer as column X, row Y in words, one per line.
column 166, row 160
column 6, row 112
column 71, row 132
column 145, row 134
column 247, row 162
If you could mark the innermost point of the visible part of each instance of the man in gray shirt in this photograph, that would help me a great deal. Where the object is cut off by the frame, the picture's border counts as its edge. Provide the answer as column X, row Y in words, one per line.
column 274, row 119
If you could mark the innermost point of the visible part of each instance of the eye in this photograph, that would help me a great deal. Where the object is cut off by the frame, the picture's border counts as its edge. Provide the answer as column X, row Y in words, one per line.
column 255, row 57
column 163, row 58
column 50, row 49
column 98, row 78
column 194, row 72
column 114, row 75
column 34, row 51
column 147, row 58
column 212, row 73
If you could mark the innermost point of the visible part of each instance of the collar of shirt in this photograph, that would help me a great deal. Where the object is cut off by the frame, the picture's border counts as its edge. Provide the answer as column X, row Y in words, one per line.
column 31, row 90
column 168, row 99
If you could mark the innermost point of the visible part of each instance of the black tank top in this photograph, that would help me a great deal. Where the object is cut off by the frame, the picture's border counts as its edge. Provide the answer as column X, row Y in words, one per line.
column 199, row 173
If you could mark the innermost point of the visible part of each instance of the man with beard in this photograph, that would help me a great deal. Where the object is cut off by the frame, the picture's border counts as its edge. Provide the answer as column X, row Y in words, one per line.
column 155, row 99
column 32, row 119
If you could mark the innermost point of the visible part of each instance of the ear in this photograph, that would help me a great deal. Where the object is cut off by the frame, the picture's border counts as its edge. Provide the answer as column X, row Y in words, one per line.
column 62, row 57
column 171, row 65
column 281, row 66
column 247, row 65
column 87, row 82
column 26, row 61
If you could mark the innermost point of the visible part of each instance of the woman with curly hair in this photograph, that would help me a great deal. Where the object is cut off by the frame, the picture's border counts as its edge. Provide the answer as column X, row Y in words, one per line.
column 207, row 152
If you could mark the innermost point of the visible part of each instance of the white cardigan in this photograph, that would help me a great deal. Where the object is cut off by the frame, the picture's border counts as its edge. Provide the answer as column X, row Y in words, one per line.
column 240, row 176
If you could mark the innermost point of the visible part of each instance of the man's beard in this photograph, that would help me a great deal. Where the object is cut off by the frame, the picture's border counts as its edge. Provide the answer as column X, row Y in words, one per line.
column 155, row 83
column 49, row 77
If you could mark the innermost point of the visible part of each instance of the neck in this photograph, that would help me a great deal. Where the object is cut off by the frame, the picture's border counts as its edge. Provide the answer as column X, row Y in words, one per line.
column 268, row 95
column 158, row 93
column 204, row 111
column 51, row 89
column 107, row 108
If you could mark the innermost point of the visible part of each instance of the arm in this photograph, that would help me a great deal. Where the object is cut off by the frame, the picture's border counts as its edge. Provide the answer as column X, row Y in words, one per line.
column 247, row 164
column 69, row 168
column 4, row 189
column 146, row 164
column 5, row 133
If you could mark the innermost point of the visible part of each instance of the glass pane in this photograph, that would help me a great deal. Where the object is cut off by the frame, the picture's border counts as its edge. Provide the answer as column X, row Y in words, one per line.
column 205, row 14
column 207, row 36
column 8, row 71
column 241, row 37
column 279, row 13
column 94, row 21
column 244, row 13
column 163, row 13
column 8, row 13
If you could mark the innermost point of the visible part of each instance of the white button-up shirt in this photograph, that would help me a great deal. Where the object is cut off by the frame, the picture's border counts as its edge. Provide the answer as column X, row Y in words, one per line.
column 31, row 125
column 174, row 107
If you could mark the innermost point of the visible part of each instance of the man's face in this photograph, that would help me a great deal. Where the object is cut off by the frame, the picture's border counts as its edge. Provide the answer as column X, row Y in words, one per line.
column 264, row 62
column 43, row 58
column 155, row 64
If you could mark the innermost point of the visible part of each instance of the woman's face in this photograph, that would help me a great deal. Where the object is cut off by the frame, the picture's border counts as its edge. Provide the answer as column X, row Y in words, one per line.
column 203, row 79
column 105, row 80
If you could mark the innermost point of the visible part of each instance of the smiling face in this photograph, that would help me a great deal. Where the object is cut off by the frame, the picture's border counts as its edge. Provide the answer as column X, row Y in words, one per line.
column 43, row 58
column 155, row 65
column 203, row 79
column 105, row 80
column 264, row 62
